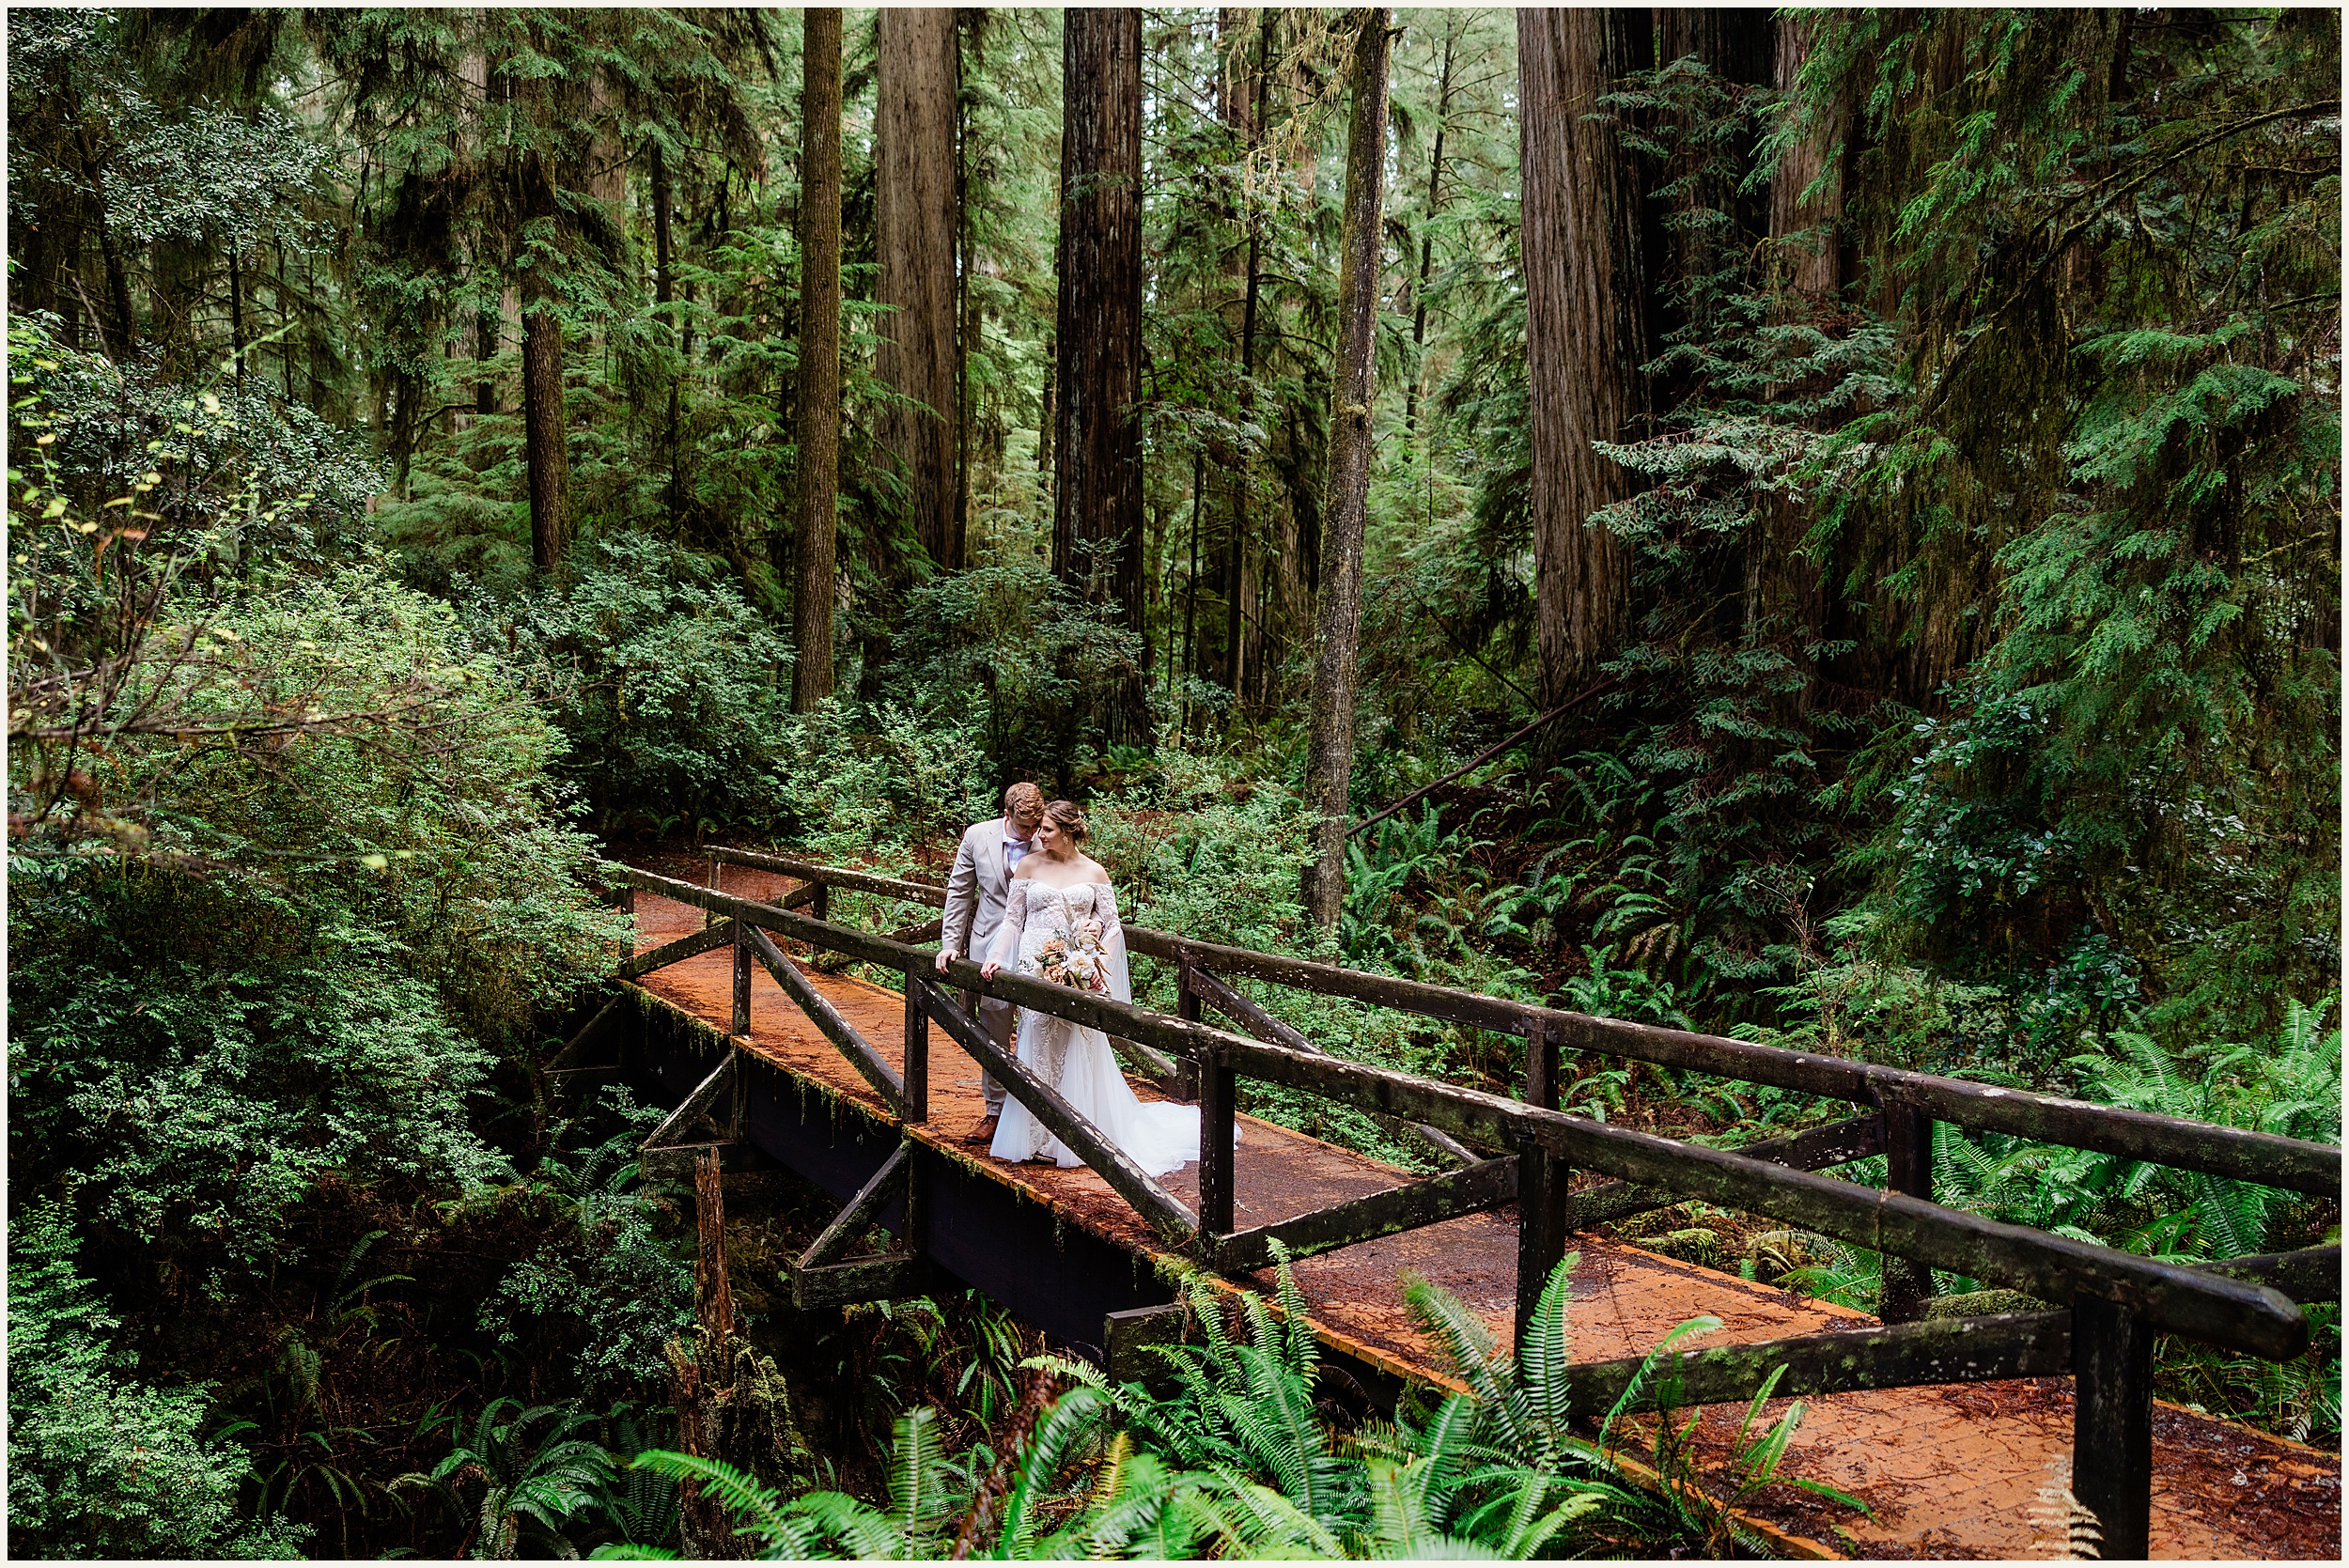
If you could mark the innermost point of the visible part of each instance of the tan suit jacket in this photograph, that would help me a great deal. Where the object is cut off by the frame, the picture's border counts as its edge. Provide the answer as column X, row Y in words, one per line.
column 975, row 892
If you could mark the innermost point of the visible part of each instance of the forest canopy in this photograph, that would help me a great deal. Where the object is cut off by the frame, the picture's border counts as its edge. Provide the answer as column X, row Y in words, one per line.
column 1877, row 470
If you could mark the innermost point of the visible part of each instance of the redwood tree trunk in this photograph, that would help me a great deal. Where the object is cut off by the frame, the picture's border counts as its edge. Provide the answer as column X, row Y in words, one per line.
column 1353, row 390
column 545, row 432
column 1097, row 472
column 914, row 243
column 546, row 427
column 1585, row 337
column 819, row 357
column 1452, row 25
column 1247, row 121
column 1805, row 230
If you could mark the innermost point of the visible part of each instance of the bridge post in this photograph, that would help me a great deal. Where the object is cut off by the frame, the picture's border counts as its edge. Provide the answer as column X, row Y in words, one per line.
column 820, row 905
column 1544, row 1222
column 1543, row 1209
column 713, row 1296
column 917, row 1057
column 2113, row 1424
column 741, row 978
column 1908, row 1168
column 1217, row 1086
column 1187, row 1008
column 711, row 917
column 1541, row 1065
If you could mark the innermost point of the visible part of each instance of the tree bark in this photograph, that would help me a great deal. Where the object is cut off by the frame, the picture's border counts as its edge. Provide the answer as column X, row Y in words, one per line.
column 236, row 311
column 663, row 293
column 966, row 299
column 545, row 431
column 1452, row 25
column 1248, row 122
column 546, row 427
column 914, row 243
column 1047, row 420
column 702, row 1388
column 1585, row 332
column 1808, row 244
column 486, row 326
column 820, row 357
column 1353, row 390
column 1097, row 475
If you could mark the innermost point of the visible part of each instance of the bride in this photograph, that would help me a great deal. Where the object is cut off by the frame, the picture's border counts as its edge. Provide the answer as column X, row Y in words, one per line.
column 1060, row 898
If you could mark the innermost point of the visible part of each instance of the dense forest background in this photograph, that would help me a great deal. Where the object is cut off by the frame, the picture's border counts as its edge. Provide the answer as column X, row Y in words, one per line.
column 1897, row 455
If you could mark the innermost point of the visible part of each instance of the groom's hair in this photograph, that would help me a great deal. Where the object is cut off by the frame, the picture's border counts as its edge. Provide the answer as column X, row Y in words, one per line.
column 1023, row 793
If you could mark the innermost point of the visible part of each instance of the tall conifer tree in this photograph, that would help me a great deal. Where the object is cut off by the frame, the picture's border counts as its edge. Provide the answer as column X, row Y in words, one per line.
column 1585, row 332
column 1353, row 389
column 819, row 356
column 1097, row 490
column 914, row 215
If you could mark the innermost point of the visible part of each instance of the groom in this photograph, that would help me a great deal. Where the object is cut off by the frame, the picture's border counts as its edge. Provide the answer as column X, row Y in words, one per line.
column 974, row 907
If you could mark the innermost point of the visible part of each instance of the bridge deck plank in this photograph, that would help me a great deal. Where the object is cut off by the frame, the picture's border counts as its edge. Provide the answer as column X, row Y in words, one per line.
column 1950, row 1471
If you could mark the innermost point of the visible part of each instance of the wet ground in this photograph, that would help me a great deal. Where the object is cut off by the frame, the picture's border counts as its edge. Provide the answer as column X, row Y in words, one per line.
column 1948, row 1472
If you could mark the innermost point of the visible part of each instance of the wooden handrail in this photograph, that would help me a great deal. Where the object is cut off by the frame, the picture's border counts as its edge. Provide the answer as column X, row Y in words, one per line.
column 2218, row 1310
column 2264, row 1158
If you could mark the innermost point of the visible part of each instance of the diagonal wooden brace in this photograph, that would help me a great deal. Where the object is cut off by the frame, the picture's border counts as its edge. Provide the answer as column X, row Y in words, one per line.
column 1472, row 1189
column 684, row 947
column 842, row 1033
column 596, row 1049
column 715, row 1097
column 1264, row 1026
column 887, row 1183
column 1814, row 1149
column 1126, row 1179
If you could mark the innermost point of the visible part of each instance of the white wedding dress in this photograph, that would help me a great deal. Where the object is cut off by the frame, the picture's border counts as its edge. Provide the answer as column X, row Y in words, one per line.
column 1073, row 1059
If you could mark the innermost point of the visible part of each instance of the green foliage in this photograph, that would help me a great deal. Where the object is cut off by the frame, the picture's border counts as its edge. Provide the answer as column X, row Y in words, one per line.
column 675, row 693
column 2140, row 482
column 1017, row 653
column 101, row 1465
column 196, row 1091
column 1515, row 1412
column 601, row 1269
column 925, row 1490
column 536, row 1474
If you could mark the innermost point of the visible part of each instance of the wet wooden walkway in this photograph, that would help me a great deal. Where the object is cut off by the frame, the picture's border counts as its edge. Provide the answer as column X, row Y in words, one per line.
column 1949, row 1471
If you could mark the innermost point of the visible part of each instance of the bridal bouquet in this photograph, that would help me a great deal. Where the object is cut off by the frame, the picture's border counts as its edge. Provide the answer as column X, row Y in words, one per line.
column 1074, row 960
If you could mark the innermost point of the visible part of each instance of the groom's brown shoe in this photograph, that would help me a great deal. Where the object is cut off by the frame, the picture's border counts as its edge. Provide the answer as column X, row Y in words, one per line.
column 985, row 1135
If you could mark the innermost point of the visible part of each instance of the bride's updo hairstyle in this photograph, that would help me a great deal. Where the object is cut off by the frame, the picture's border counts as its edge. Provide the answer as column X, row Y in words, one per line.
column 1069, row 819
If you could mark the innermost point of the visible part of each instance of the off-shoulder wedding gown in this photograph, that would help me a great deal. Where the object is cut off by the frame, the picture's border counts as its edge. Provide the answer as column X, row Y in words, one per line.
column 1073, row 1059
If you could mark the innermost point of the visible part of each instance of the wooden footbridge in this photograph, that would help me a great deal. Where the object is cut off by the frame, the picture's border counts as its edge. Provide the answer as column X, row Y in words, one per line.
column 1948, row 1428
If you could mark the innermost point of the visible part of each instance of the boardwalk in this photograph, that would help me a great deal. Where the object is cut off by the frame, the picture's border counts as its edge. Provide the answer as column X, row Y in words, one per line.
column 1949, row 1471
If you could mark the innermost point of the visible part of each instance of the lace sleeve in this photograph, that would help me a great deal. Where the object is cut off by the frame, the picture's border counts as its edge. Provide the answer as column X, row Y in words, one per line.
column 1105, row 911
column 1006, row 950
column 1115, row 968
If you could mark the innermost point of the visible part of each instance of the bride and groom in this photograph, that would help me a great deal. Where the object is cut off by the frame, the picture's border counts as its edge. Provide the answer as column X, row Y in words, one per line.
column 1024, row 896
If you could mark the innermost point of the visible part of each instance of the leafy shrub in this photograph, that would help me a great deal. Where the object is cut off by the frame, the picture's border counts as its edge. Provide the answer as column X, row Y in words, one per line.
column 324, row 923
column 674, row 691
column 874, row 781
column 270, row 478
column 100, row 1463
column 206, row 1089
column 1013, row 649
column 602, row 1267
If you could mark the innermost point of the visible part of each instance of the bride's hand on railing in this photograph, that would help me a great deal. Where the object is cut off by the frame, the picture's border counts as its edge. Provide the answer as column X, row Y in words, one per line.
column 986, row 971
